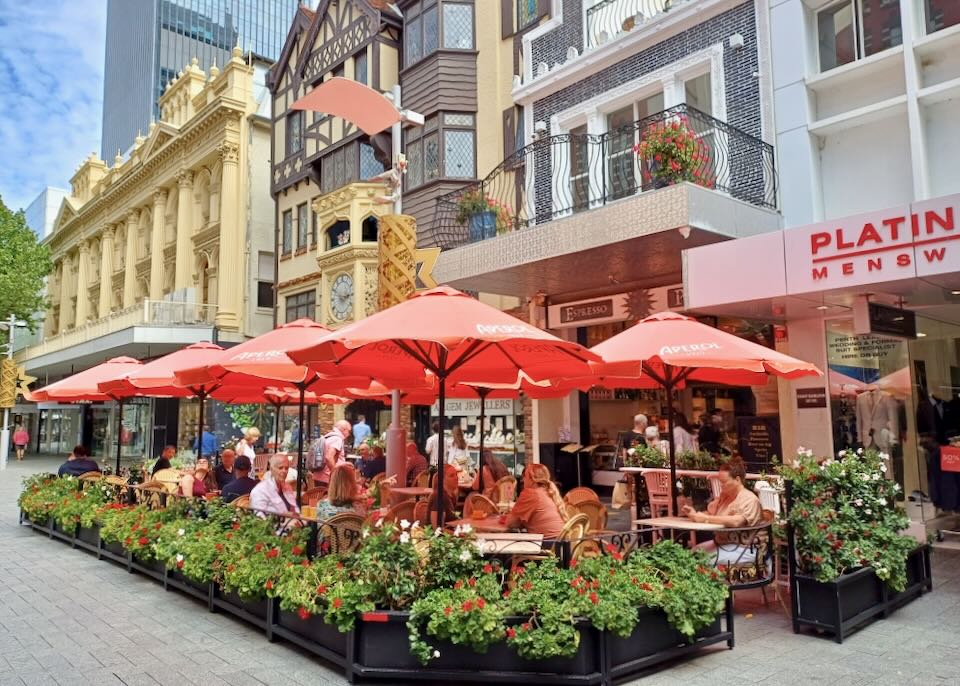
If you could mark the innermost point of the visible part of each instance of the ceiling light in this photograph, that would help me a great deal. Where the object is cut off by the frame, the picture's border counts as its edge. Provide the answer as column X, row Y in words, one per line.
column 823, row 307
column 954, row 292
column 921, row 334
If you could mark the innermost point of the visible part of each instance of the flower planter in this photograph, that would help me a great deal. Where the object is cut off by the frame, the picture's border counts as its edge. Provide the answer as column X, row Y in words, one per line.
column 314, row 635
column 57, row 531
column 152, row 568
column 115, row 552
column 187, row 585
column 654, row 640
column 256, row 611
column 482, row 225
column 919, row 580
column 383, row 649
column 88, row 538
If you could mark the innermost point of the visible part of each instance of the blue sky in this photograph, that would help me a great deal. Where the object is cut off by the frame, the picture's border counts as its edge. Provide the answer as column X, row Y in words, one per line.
column 51, row 91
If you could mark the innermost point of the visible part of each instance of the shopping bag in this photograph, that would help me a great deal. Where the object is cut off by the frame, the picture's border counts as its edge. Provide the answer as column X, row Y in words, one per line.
column 621, row 495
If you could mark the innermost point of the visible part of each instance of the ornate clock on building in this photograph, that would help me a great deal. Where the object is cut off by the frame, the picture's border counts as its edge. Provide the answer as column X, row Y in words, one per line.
column 341, row 297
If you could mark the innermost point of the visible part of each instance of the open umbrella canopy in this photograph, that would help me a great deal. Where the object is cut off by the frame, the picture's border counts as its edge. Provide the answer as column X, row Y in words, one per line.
column 158, row 378
column 85, row 385
column 273, row 395
column 672, row 348
column 447, row 333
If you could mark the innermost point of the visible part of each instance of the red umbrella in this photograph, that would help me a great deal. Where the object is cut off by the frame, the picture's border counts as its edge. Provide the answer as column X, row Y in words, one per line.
column 666, row 350
column 85, row 385
column 452, row 336
column 266, row 357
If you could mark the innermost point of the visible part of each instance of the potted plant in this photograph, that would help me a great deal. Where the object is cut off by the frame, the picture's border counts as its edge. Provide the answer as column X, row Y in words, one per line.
column 478, row 211
column 671, row 152
column 844, row 527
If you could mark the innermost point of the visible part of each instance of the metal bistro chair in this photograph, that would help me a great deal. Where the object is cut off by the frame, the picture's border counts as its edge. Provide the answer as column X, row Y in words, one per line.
column 241, row 501
column 658, row 493
column 261, row 463
column 744, row 555
column 421, row 480
column 314, row 495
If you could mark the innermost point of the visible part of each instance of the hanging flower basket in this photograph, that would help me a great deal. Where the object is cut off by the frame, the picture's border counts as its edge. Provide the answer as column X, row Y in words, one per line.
column 673, row 152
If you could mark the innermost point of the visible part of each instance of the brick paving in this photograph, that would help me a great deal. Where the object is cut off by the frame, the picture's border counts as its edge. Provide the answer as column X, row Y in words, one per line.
column 66, row 618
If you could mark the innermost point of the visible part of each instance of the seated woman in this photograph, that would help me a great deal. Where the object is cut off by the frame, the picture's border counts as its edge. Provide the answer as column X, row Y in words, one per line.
column 539, row 509
column 493, row 470
column 343, row 494
column 451, row 483
column 199, row 482
column 734, row 508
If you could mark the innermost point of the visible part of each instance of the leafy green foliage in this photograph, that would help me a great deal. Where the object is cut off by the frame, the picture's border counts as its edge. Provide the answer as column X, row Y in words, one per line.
column 844, row 517
column 24, row 264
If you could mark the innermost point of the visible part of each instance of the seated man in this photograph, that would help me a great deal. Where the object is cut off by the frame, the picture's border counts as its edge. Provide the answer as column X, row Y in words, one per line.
column 242, row 484
column 274, row 495
column 225, row 471
column 163, row 462
column 735, row 507
column 78, row 462
column 373, row 462
column 416, row 463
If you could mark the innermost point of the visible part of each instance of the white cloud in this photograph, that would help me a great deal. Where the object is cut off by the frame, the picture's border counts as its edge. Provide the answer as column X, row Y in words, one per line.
column 51, row 87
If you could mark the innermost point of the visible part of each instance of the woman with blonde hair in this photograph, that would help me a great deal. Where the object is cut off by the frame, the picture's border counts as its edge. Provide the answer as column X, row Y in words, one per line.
column 343, row 494
column 245, row 445
column 539, row 509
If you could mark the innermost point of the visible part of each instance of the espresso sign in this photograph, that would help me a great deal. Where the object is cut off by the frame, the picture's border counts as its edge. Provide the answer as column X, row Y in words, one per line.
column 579, row 312
column 811, row 398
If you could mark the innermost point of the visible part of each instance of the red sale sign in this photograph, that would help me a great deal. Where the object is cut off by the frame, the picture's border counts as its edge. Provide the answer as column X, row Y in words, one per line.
column 950, row 458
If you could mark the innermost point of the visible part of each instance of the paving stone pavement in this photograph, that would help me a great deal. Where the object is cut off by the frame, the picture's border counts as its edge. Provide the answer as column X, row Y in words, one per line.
column 66, row 618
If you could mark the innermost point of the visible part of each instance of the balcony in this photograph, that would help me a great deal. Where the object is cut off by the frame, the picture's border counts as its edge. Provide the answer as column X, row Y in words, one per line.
column 609, row 18
column 144, row 330
column 567, row 174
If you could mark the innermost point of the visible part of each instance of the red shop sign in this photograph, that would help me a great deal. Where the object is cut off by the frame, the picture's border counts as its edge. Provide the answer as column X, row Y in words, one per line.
column 950, row 458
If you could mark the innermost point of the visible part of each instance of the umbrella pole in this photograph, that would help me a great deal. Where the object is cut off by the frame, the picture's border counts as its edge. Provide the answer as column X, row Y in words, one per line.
column 300, row 465
column 276, row 426
column 439, row 505
column 482, row 392
column 673, row 455
column 201, row 396
column 119, row 432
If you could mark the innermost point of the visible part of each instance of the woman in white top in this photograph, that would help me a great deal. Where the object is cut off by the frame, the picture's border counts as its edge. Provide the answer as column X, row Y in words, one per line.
column 245, row 445
column 457, row 453
column 683, row 438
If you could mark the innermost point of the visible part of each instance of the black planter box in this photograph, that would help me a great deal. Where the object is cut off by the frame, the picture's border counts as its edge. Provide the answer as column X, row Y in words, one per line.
column 152, row 568
column 114, row 552
column 919, row 580
column 655, row 640
column 314, row 635
column 88, row 537
column 257, row 611
column 187, row 585
column 42, row 526
column 57, row 531
column 383, row 650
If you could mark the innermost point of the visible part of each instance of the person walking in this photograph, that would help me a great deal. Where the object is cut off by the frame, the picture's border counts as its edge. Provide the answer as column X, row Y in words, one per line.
column 361, row 431
column 20, row 440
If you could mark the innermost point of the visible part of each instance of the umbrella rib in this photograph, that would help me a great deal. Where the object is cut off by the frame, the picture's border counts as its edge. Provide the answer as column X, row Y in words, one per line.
column 417, row 355
column 474, row 349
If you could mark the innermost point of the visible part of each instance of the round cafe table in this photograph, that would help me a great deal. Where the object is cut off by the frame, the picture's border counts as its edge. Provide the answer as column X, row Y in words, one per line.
column 489, row 524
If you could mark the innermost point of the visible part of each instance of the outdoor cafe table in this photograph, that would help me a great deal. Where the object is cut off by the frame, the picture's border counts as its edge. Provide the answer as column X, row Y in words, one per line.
column 511, row 543
column 709, row 475
column 489, row 524
column 410, row 492
column 677, row 523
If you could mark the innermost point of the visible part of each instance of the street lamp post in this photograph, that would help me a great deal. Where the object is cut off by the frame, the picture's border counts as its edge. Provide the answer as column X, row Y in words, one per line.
column 11, row 325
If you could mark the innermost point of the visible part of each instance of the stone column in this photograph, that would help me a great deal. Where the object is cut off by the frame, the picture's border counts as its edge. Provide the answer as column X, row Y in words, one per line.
column 130, row 261
column 66, row 284
column 48, row 328
column 156, row 245
column 184, row 265
column 106, row 270
column 230, row 268
column 83, row 284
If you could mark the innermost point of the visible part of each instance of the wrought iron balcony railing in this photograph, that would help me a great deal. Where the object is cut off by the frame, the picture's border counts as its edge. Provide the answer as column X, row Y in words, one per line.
column 608, row 19
column 574, row 172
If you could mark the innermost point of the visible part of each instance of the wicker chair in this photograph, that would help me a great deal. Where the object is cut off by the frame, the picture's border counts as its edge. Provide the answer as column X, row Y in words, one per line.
column 153, row 494
column 377, row 478
column 169, row 478
column 341, row 533
column 572, row 543
column 478, row 502
column 421, row 512
column 403, row 510
column 261, row 463
column 90, row 476
column 505, row 490
column 595, row 511
column 421, row 480
column 241, row 501
column 314, row 495
column 581, row 494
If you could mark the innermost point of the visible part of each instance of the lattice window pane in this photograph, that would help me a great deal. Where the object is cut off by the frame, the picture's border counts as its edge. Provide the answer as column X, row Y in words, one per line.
column 458, row 119
column 414, row 165
column 458, row 154
column 413, row 47
column 431, row 32
column 431, row 157
column 430, row 124
column 287, row 231
column 302, row 226
column 457, row 26
column 369, row 165
column 339, row 177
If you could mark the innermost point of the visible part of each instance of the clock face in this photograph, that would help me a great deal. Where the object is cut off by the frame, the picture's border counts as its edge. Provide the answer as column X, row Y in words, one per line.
column 341, row 297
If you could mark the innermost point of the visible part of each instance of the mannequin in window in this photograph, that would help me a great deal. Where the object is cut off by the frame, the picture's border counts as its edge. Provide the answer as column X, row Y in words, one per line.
column 877, row 419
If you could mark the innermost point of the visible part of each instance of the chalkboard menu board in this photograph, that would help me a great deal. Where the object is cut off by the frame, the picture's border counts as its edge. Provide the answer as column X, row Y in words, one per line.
column 758, row 440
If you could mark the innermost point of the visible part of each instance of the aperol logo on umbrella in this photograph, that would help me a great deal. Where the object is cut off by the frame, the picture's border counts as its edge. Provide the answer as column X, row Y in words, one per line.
column 506, row 330
column 689, row 349
column 259, row 355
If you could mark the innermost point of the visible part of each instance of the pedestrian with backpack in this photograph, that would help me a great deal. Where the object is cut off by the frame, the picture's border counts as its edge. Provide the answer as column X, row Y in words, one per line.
column 333, row 451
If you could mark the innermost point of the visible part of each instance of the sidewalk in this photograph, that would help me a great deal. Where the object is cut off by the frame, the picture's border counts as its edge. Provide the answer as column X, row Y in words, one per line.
column 66, row 618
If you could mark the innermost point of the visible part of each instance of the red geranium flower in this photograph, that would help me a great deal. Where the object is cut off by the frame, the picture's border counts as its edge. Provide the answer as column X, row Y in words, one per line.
column 487, row 568
column 669, row 584
column 471, row 581
column 447, row 610
column 321, row 589
column 297, row 550
column 481, row 603
column 527, row 586
column 272, row 553
column 179, row 564
column 258, row 547
column 467, row 606
column 236, row 525
column 511, row 632
column 143, row 540
column 269, row 585
column 337, row 603
column 458, row 585
column 303, row 612
column 594, row 598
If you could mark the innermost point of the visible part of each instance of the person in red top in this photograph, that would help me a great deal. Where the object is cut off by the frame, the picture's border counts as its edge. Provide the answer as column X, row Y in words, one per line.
column 20, row 440
column 539, row 509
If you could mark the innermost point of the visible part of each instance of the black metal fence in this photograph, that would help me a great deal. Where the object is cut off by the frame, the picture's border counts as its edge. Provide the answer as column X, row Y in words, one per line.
column 610, row 18
column 560, row 175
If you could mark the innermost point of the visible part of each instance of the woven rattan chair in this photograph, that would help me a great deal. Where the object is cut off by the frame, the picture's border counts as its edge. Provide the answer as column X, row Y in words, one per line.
column 478, row 502
column 261, row 463
column 421, row 480
column 90, row 476
column 421, row 512
column 314, row 495
column 341, row 533
column 404, row 510
column 153, row 494
column 505, row 490
column 595, row 511
column 581, row 494
column 170, row 478
column 241, row 501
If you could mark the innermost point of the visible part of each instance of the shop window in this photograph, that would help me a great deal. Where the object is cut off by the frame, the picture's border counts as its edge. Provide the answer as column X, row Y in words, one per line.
column 853, row 29
column 441, row 150
column 303, row 228
column 369, row 230
column 295, row 122
column 457, row 26
column 287, row 233
column 301, row 305
column 621, row 135
column 939, row 14
column 338, row 234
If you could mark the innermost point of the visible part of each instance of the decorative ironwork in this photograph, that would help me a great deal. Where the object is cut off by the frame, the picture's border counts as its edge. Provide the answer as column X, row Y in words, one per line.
column 608, row 19
column 559, row 175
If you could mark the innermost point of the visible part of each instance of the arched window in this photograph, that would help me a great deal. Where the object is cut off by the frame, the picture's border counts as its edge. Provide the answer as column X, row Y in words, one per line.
column 337, row 234
column 370, row 229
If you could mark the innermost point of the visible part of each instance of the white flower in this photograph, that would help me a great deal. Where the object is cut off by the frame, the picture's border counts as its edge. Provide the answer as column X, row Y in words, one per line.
column 436, row 653
column 458, row 530
column 842, row 453
column 896, row 488
column 843, row 472
column 380, row 522
column 876, row 476
column 404, row 524
column 366, row 533
column 179, row 557
column 437, row 532
column 466, row 529
column 465, row 555
column 858, row 502
column 823, row 467
column 404, row 537
column 884, row 457
column 868, row 511
column 180, row 532
column 481, row 545
column 859, row 451
column 631, row 452
column 883, row 468
column 865, row 477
